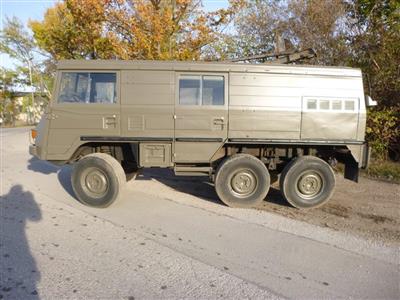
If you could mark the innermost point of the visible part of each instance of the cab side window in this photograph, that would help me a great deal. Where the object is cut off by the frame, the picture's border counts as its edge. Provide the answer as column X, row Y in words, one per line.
column 201, row 90
column 85, row 87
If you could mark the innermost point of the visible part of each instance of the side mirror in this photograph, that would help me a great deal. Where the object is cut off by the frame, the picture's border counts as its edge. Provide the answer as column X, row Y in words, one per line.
column 369, row 102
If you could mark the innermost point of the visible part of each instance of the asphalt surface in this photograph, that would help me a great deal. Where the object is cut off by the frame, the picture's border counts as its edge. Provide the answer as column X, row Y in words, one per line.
column 159, row 242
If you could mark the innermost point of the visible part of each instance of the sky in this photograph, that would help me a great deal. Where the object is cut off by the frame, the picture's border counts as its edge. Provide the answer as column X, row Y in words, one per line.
column 35, row 9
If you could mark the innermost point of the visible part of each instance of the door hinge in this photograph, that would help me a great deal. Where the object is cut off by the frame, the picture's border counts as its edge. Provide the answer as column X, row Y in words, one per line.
column 174, row 117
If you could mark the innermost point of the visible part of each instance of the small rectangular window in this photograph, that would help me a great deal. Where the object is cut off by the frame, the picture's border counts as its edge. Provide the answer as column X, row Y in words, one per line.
column 213, row 90
column 337, row 105
column 85, row 87
column 311, row 104
column 189, row 90
column 349, row 105
column 201, row 90
column 324, row 104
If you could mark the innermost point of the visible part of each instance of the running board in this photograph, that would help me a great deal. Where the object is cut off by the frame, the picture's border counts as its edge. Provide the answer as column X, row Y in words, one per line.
column 192, row 171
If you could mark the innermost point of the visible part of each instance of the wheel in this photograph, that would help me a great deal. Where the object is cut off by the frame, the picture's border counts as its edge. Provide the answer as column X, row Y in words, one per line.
column 307, row 182
column 242, row 180
column 97, row 179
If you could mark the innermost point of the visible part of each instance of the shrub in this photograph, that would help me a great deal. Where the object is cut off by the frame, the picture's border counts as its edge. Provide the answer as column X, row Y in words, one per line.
column 383, row 130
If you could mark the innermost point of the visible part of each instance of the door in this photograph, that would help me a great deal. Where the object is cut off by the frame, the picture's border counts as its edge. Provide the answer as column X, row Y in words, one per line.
column 201, row 115
column 85, row 107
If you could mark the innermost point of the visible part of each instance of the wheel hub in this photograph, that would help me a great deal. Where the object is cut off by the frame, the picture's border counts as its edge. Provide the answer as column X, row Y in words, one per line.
column 309, row 184
column 243, row 183
column 95, row 182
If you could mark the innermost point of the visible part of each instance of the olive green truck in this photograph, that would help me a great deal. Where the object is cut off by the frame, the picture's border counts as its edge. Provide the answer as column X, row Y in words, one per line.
column 241, row 125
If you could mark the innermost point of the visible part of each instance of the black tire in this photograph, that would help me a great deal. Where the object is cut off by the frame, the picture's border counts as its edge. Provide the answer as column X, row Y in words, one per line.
column 307, row 182
column 242, row 180
column 97, row 179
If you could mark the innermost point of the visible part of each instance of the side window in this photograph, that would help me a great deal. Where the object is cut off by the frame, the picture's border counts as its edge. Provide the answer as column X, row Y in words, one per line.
column 349, row 105
column 324, row 104
column 337, row 105
column 201, row 90
column 85, row 87
column 311, row 104
column 329, row 105
column 189, row 90
column 213, row 90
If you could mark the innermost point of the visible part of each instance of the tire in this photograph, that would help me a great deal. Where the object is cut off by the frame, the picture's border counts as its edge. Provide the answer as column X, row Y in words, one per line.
column 97, row 179
column 307, row 182
column 242, row 180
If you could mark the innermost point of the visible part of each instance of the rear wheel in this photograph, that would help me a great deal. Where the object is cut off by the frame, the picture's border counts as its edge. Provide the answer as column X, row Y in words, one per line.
column 97, row 179
column 307, row 182
column 242, row 180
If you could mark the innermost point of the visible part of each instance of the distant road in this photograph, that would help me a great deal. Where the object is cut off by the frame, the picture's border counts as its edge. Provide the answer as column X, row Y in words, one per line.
column 169, row 238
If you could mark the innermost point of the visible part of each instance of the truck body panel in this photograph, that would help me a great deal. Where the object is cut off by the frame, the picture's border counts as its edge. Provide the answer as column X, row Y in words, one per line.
column 191, row 110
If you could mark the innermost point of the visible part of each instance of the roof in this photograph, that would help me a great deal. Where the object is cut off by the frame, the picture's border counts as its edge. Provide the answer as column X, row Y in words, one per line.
column 205, row 67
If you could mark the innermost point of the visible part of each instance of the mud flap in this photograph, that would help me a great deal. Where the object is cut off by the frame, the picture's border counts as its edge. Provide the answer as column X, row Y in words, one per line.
column 351, row 170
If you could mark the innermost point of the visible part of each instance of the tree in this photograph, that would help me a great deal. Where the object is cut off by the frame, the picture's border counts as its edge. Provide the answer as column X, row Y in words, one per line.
column 73, row 29
column 9, row 81
column 16, row 41
column 300, row 23
column 374, row 38
column 129, row 29
column 375, row 42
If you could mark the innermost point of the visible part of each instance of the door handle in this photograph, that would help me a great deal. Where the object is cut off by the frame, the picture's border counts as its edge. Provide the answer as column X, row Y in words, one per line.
column 219, row 121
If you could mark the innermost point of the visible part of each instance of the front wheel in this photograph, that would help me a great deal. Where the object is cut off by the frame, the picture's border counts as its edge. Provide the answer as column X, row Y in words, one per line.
column 97, row 179
column 242, row 180
column 307, row 182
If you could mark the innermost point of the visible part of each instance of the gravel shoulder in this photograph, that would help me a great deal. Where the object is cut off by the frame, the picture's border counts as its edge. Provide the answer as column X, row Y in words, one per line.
column 369, row 209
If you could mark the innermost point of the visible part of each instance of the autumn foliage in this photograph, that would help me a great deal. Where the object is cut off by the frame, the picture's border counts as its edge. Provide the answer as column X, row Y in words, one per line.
column 130, row 29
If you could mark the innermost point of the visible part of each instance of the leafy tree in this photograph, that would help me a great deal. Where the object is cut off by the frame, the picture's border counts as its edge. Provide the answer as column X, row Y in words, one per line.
column 375, row 42
column 9, row 81
column 73, row 29
column 129, row 29
column 34, row 68
column 301, row 23
column 18, row 43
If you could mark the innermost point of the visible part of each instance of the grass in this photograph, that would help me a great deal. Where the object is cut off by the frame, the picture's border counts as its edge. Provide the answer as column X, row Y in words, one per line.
column 378, row 169
column 386, row 170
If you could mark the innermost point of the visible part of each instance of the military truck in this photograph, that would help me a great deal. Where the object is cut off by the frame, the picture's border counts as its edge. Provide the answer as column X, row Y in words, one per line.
column 239, row 124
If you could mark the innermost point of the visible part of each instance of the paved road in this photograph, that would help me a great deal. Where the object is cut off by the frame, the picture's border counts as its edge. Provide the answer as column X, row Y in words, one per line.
column 157, row 242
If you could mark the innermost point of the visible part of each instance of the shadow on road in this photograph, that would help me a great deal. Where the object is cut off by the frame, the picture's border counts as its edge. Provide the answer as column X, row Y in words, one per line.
column 41, row 166
column 18, row 270
column 63, row 173
column 64, row 177
column 196, row 186
column 201, row 186
column 274, row 196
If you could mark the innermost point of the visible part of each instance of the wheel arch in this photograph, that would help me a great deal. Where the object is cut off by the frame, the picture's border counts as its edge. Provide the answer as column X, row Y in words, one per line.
column 120, row 151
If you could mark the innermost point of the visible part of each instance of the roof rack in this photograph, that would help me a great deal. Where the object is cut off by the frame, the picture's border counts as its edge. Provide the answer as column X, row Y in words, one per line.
column 285, row 57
